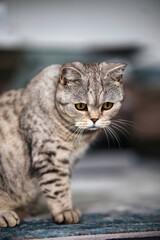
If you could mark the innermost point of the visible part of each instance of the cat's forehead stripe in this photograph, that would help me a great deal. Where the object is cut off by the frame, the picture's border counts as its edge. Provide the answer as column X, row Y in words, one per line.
column 94, row 89
column 91, row 97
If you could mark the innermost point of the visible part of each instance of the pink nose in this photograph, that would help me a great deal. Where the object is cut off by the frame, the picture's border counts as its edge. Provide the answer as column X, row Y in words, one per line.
column 94, row 120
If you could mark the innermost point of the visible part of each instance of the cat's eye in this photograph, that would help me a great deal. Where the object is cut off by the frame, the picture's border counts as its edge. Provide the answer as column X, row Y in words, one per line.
column 81, row 106
column 107, row 106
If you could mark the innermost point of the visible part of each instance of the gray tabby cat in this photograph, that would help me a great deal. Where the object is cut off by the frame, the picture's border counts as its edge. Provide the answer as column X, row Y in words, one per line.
column 40, row 128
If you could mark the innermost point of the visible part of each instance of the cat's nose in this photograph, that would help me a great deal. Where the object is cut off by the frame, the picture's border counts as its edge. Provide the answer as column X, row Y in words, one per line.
column 94, row 120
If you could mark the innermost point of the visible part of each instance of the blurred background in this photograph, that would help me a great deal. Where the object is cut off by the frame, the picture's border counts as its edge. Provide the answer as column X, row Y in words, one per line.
column 35, row 33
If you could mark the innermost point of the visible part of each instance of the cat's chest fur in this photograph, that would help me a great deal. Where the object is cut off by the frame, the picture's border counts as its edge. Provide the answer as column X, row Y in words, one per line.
column 81, row 148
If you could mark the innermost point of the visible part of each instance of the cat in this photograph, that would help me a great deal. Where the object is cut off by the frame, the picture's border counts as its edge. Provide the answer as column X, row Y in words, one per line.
column 40, row 130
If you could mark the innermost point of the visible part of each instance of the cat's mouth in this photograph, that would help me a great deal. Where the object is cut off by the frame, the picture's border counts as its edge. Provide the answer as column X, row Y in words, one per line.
column 93, row 128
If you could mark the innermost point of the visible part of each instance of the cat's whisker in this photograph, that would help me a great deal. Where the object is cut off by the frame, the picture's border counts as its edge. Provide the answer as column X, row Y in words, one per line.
column 69, row 125
column 74, row 138
column 71, row 133
column 122, row 130
column 125, row 122
column 77, row 137
column 71, row 129
column 109, row 133
column 74, row 132
column 66, row 132
column 107, row 136
column 115, row 136
column 81, row 133
column 69, row 136
column 118, row 125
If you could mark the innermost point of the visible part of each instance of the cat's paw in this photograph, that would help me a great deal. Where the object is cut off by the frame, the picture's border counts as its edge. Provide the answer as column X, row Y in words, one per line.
column 68, row 216
column 8, row 218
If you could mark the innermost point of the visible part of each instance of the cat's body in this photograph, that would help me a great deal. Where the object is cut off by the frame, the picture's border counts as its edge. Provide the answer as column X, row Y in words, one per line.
column 40, row 131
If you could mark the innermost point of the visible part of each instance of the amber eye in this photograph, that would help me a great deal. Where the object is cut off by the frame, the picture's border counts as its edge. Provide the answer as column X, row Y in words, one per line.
column 81, row 106
column 107, row 106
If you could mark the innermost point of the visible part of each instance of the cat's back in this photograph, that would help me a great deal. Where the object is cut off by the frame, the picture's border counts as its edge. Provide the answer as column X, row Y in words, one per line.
column 9, row 102
column 10, row 105
column 7, row 98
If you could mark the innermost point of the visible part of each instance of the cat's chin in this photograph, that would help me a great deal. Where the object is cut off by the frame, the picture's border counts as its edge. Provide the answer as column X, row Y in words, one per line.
column 93, row 128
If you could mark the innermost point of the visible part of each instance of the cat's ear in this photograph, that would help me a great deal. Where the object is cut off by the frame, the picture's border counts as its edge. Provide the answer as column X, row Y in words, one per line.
column 113, row 70
column 70, row 73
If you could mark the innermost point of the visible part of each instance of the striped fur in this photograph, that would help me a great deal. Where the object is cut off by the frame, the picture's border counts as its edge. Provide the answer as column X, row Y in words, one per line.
column 40, row 131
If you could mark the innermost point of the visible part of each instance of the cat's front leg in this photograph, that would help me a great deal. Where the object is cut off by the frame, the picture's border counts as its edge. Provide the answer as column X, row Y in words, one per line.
column 51, row 165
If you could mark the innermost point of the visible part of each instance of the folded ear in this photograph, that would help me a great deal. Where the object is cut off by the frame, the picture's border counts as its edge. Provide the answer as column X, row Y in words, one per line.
column 70, row 73
column 113, row 70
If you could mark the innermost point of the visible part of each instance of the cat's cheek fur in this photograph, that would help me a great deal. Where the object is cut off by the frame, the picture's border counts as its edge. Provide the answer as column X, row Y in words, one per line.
column 69, row 111
column 84, row 123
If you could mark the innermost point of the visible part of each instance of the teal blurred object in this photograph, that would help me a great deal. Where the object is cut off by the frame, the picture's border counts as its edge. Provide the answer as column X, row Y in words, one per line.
column 147, row 77
column 35, row 61
column 32, row 61
column 90, row 224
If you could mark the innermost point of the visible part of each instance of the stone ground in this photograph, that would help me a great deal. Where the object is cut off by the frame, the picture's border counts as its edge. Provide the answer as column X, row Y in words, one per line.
column 116, row 181
column 119, row 194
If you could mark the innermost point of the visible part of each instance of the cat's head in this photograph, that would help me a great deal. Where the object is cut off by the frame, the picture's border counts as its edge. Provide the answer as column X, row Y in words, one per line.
column 89, row 95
